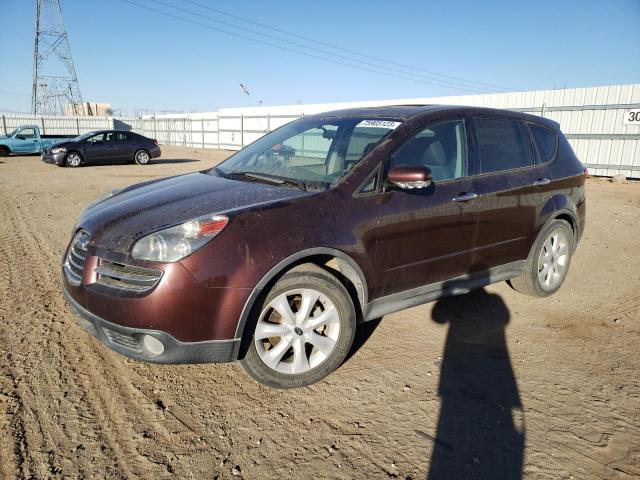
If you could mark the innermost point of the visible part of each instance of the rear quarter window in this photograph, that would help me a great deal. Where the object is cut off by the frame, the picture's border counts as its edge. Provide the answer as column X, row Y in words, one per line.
column 503, row 144
column 546, row 141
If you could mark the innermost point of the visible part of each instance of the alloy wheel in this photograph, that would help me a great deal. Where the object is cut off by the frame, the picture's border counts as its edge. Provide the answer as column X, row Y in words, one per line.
column 74, row 160
column 143, row 157
column 554, row 259
column 297, row 331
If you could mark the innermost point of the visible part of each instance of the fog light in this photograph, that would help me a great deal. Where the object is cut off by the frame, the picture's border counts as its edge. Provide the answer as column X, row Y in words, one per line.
column 153, row 345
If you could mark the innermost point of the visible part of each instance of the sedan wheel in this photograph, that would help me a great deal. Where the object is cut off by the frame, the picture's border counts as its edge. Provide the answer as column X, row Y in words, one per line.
column 73, row 160
column 142, row 157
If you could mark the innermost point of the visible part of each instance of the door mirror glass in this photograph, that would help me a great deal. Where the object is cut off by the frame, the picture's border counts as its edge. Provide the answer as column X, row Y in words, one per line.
column 20, row 137
column 409, row 177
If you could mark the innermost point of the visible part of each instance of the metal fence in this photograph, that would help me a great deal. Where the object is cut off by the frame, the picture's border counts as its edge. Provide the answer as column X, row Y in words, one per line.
column 55, row 125
column 595, row 130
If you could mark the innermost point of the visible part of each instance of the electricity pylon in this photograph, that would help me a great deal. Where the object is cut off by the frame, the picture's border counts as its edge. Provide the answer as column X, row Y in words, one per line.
column 55, row 83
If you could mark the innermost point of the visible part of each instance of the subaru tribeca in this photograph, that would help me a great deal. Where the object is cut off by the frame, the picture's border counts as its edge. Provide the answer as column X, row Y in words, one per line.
column 274, row 256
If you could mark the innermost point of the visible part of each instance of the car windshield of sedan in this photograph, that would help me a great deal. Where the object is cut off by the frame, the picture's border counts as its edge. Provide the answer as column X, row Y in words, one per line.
column 316, row 151
column 84, row 136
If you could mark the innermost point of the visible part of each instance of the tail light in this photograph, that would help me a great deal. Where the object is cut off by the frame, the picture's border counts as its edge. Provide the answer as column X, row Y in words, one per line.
column 155, row 141
column 586, row 172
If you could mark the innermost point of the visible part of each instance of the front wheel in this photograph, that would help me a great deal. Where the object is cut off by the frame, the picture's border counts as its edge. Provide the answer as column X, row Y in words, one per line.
column 142, row 157
column 548, row 262
column 73, row 159
column 303, row 330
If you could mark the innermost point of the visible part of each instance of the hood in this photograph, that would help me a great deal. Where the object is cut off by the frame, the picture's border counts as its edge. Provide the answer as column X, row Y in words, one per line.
column 118, row 221
column 61, row 143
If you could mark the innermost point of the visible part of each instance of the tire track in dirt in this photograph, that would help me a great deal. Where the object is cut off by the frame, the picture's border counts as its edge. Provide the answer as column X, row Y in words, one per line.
column 60, row 421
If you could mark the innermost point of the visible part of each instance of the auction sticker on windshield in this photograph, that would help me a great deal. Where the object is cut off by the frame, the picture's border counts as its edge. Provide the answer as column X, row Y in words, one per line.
column 389, row 124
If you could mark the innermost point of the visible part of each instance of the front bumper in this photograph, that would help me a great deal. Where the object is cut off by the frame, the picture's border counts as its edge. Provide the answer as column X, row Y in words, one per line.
column 131, row 341
column 53, row 158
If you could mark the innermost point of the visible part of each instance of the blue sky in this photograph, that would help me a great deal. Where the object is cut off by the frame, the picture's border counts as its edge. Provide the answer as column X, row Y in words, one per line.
column 137, row 59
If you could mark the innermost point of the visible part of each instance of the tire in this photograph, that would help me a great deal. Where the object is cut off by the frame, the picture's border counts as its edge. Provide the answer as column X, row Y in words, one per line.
column 4, row 152
column 304, row 352
column 142, row 157
column 548, row 262
column 73, row 160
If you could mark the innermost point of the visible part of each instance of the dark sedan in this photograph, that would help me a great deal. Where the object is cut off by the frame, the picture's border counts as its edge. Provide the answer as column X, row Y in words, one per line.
column 104, row 147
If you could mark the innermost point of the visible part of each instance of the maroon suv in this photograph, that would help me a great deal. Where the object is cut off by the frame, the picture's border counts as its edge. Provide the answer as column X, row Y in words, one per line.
column 274, row 256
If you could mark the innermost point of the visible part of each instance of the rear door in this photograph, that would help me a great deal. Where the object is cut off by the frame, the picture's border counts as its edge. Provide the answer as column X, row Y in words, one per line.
column 508, row 198
column 125, row 145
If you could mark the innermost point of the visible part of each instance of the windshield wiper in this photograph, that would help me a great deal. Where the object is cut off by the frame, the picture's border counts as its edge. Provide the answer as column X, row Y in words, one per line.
column 266, row 177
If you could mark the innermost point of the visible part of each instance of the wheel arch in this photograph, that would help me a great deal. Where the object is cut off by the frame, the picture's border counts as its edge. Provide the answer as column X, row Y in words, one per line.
column 336, row 262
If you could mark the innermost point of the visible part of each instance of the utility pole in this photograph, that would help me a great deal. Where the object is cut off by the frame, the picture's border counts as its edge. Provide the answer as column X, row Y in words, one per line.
column 55, row 89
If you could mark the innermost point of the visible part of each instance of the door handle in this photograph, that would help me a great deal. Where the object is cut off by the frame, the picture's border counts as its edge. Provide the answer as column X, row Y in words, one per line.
column 541, row 182
column 464, row 197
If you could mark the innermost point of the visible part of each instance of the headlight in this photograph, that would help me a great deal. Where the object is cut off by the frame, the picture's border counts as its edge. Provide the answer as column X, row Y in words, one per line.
column 175, row 243
column 58, row 150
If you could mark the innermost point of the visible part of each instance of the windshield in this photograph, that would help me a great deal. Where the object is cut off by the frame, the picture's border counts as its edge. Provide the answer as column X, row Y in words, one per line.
column 309, row 150
column 84, row 136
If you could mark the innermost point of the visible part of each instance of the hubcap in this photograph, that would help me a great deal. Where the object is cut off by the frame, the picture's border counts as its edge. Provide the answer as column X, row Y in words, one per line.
column 554, row 257
column 74, row 160
column 143, row 157
column 297, row 331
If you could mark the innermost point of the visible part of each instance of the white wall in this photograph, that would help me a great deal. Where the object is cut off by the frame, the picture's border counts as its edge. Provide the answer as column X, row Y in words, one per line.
column 591, row 118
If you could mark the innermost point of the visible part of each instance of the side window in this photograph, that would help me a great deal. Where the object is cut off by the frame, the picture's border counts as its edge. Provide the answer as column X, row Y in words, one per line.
column 502, row 144
column 27, row 133
column 122, row 137
column 96, row 138
column 108, row 137
column 441, row 147
column 546, row 141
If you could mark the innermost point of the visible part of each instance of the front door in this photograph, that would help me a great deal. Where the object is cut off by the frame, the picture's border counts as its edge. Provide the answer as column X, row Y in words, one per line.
column 26, row 141
column 100, row 149
column 427, row 235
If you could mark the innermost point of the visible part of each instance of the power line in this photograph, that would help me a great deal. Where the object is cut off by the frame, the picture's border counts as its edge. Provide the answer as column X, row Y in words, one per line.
column 342, row 48
column 194, row 22
column 440, row 81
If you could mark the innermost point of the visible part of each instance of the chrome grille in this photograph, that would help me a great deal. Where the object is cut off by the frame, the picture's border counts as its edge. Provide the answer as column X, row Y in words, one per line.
column 127, row 341
column 74, row 262
column 127, row 277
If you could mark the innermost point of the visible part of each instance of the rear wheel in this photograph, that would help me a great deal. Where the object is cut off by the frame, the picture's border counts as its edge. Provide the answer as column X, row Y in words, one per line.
column 142, row 157
column 73, row 159
column 303, row 330
column 4, row 152
column 548, row 262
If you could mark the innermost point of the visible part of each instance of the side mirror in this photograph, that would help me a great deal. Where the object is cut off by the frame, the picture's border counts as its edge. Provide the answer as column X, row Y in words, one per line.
column 20, row 137
column 408, row 177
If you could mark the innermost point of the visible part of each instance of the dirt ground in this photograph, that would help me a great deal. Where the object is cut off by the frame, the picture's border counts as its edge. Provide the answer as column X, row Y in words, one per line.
column 487, row 385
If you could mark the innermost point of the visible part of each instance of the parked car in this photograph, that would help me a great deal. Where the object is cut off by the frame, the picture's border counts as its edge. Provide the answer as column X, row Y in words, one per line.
column 102, row 147
column 275, row 263
column 26, row 140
